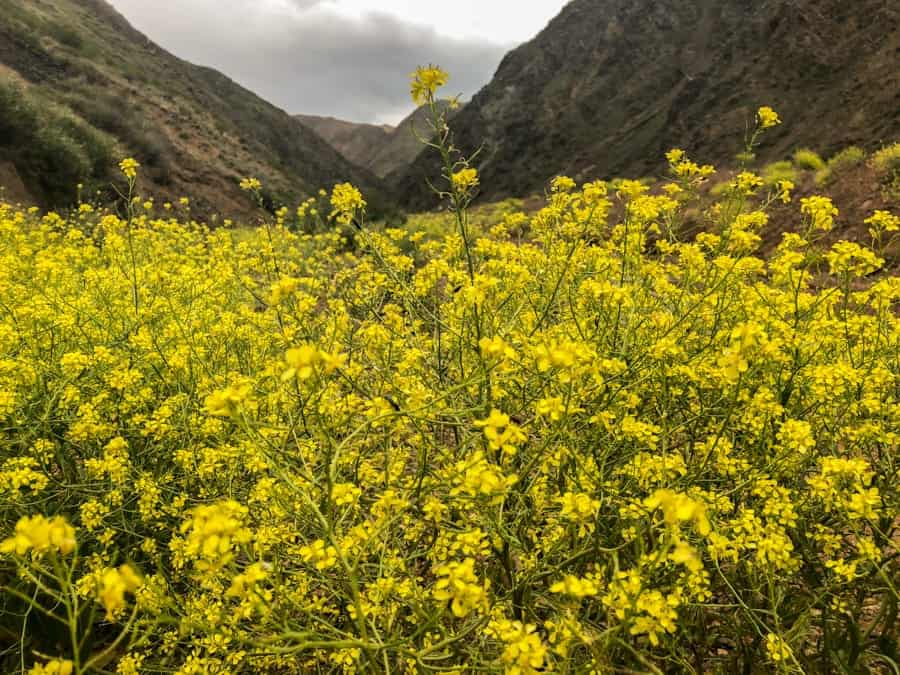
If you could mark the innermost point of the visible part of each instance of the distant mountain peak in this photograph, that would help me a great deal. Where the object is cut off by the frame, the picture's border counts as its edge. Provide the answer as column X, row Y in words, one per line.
column 381, row 149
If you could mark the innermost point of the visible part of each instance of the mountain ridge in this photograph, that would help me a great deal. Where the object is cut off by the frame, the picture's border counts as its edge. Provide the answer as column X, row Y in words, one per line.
column 196, row 131
column 382, row 149
column 609, row 86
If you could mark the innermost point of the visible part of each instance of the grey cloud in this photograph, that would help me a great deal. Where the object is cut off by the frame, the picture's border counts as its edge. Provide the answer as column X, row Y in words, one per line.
column 307, row 59
column 306, row 4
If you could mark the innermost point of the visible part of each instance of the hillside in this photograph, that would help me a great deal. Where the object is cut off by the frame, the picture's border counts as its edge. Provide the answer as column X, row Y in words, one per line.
column 381, row 149
column 80, row 88
column 610, row 85
column 356, row 141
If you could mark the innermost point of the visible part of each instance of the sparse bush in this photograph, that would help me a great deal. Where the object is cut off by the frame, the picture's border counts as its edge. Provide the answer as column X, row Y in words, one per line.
column 886, row 163
column 720, row 189
column 808, row 160
column 776, row 172
column 846, row 159
column 131, row 126
column 65, row 35
column 887, row 160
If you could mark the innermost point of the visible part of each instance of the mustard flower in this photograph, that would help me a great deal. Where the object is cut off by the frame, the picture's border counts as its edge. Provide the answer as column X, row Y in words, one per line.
column 767, row 117
column 129, row 167
column 346, row 202
column 778, row 649
column 114, row 584
column 820, row 211
column 40, row 535
column 54, row 667
column 458, row 584
column 425, row 81
column 465, row 179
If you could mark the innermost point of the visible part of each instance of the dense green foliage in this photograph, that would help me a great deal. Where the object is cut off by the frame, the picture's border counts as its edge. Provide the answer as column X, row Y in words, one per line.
column 50, row 148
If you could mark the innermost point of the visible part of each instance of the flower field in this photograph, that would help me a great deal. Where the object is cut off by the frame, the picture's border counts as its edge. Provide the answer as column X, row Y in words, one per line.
column 565, row 442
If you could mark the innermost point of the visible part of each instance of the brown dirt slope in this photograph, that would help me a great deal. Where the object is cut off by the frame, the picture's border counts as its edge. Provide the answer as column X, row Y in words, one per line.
column 12, row 189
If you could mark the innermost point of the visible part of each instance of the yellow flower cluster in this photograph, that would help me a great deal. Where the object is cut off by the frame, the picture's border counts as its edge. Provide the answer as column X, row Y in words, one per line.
column 524, row 652
column 22, row 474
column 458, row 584
column 55, row 667
column 820, row 211
column 767, row 117
column 572, row 585
column 129, row 167
column 425, row 81
column 778, row 649
column 346, row 203
column 212, row 532
column 226, row 402
column 303, row 360
column 250, row 184
column 465, row 179
column 115, row 582
column 502, row 434
column 571, row 440
column 40, row 535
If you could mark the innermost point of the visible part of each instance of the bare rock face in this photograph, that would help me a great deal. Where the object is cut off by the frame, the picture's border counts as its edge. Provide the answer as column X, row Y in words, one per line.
column 610, row 85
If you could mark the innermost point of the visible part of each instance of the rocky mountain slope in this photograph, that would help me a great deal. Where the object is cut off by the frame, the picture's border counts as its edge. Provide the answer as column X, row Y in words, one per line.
column 380, row 149
column 80, row 89
column 610, row 85
column 356, row 141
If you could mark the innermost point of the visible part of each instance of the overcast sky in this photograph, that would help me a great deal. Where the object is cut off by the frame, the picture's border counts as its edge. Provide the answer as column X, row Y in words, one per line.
column 346, row 58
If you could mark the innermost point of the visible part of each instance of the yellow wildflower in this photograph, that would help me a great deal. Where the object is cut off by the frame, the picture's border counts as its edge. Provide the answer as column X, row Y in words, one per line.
column 458, row 584
column 767, row 117
column 465, row 179
column 54, row 667
column 425, row 81
column 40, row 535
column 346, row 202
column 114, row 583
column 129, row 167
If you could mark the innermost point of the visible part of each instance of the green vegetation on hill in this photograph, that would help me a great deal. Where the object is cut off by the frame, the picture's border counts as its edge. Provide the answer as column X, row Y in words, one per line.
column 92, row 81
column 52, row 150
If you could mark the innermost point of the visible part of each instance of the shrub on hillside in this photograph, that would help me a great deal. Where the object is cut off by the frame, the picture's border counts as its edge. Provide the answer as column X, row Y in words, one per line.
column 808, row 160
column 887, row 160
column 49, row 147
column 846, row 159
column 776, row 172
column 143, row 138
column 886, row 163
